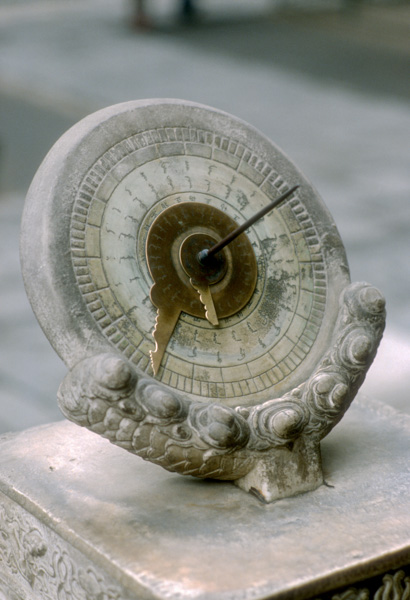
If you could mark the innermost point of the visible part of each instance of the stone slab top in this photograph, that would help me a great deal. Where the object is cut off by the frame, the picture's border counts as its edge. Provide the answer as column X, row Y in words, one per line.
column 161, row 535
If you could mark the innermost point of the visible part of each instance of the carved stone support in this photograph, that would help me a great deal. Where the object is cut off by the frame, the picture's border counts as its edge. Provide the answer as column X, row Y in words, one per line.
column 285, row 471
column 247, row 444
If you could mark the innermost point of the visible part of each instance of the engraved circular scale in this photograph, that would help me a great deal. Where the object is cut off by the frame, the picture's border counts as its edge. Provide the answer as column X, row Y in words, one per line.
column 124, row 170
column 116, row 228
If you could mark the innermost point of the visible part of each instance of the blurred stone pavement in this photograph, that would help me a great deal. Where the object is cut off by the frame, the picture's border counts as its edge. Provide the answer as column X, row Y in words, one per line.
column 330, row 87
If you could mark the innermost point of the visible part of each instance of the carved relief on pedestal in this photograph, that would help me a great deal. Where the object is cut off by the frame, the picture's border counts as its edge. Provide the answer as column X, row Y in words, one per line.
column 391, row 586
column 36, row 561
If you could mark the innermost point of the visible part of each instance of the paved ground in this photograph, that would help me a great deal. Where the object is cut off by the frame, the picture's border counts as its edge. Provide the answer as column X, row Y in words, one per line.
column 331, row 88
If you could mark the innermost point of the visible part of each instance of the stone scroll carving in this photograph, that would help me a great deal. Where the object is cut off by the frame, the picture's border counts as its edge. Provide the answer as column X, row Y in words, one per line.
column 37, row 563
column 391, row 586
column 104, row 394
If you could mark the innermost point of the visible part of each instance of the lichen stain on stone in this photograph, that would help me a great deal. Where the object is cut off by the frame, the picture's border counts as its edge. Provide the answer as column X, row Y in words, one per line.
column 285, row 241
column 216, row 390
column 332, row 244
column 276, row 295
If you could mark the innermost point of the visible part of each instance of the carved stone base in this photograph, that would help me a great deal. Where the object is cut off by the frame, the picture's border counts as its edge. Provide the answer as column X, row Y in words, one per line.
column 271, row 449
column 82, row 520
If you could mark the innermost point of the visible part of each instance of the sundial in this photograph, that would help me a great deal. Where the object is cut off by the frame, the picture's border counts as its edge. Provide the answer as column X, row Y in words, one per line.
column 197, row 288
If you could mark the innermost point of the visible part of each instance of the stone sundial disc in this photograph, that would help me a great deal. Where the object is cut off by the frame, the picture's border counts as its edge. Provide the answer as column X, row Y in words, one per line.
column 212, row 359
column 90, row 211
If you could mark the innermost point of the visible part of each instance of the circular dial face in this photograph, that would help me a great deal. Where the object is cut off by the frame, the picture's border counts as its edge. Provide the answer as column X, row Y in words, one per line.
column 248, row 354
column 247, row 330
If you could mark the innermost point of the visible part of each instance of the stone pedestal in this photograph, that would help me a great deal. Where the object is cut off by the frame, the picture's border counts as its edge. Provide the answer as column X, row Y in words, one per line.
column 82, row 519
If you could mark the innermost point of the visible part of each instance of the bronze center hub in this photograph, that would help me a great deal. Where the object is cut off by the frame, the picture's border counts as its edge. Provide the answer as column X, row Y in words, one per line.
column 208, row 272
